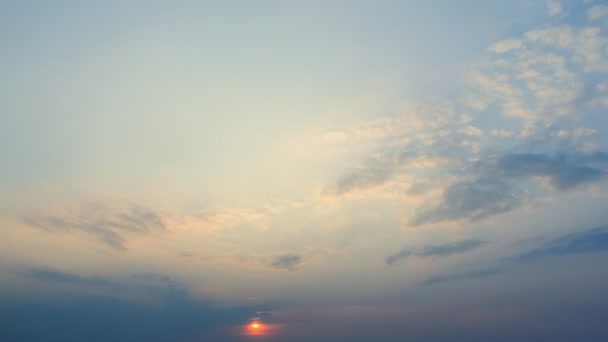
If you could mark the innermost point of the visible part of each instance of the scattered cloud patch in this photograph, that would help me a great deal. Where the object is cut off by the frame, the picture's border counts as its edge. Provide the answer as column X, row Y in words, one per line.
column 553, row 8
column 436, row 250
column 286, row 262
column 502, row 133
column 471, row 131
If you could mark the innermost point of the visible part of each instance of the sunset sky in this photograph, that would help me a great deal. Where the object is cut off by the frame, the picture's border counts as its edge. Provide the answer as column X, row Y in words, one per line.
column 363, row 170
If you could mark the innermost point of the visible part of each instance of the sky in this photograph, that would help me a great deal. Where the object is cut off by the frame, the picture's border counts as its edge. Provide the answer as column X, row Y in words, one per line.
column 304, row 170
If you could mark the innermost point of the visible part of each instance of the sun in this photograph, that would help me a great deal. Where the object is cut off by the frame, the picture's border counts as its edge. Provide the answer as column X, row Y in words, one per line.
column 255, row 325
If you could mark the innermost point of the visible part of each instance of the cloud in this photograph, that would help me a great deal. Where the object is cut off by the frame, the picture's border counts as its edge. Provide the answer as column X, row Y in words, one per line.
column 588, row 241
column 48, row 274
column 471, row 131
column 585, row 46
column 436, row 250
column 402, row 254
column 375, row 172
column 496, row 188
column 592, row 240
column 506, row 45
column 564, row 170
column 553, row 8
column 597, row 12
column 153, row 277
column 286, row 261
column 110, row 225
column 383, row 168
column 502, row 133
column 546, row 81
column 461, row 276
column 117, row 315
column 151, row 283
column 473, row 200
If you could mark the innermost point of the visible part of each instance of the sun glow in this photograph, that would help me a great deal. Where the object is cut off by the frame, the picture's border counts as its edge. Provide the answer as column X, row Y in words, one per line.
column 257, row 328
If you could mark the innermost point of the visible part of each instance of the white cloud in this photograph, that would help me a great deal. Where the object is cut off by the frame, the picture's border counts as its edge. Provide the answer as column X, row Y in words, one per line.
column 588, row 45
column 597, row 12
column 502, row 133
column 561, row 36
column 471, row 131
column 466, row 118
column 533, row 85
column 554, row 8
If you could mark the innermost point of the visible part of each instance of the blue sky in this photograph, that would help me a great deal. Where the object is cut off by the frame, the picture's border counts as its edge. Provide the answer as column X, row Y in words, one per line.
column 334, row 170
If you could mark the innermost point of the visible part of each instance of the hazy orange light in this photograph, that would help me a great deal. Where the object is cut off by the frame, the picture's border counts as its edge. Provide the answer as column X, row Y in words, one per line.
column 257, row 328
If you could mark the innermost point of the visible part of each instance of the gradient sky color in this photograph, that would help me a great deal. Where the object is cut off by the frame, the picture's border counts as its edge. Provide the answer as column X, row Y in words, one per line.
column 331, row 170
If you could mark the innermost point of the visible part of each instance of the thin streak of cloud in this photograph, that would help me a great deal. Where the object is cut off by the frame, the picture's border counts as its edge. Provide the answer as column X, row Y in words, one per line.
column 592, row 240
column 462, row 276
column 110, row 225
column 436, row 250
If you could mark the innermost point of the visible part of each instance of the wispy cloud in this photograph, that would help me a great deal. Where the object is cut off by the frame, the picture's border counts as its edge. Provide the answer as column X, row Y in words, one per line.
column 461, row 276
column 435, row 250
column 588, row 241
column 592, row 240
column 49, row 274
column 110, row 225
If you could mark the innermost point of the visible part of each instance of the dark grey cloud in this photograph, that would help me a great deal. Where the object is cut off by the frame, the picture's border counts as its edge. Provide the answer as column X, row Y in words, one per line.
column 402, row 254
column 460, row 276
column 494, row 185
column 436, row 250
column 592, row 240
column 175, row 314
column 109, row 225
column 286, row 261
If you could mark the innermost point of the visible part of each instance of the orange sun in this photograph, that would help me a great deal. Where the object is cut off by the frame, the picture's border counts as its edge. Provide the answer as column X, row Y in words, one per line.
column 258, row 328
